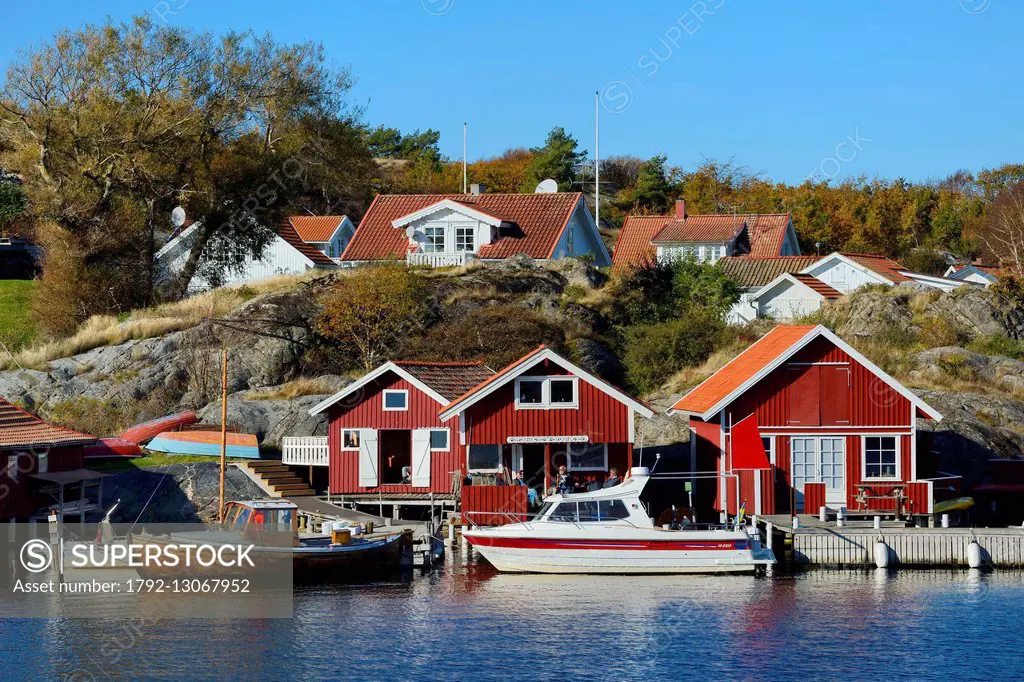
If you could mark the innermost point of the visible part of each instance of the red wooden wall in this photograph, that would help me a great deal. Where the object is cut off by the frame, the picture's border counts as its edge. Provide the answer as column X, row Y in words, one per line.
column 365, row 409
column 507, row 501
column 19, row 498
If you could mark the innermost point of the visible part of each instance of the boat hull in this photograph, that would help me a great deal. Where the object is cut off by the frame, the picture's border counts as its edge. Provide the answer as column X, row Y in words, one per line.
column 646, row 552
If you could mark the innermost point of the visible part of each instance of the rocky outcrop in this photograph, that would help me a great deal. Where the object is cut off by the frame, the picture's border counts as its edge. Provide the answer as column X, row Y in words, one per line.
column 661, row 429
column 270, row 420
column 1006, row 374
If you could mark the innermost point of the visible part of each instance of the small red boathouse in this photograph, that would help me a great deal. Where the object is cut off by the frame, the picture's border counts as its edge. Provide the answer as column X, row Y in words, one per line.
column 410, row 432
column 802, row 419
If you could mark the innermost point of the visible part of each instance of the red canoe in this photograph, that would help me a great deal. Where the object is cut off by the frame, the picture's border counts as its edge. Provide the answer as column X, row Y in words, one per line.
column 140, row 433
column 112, row 447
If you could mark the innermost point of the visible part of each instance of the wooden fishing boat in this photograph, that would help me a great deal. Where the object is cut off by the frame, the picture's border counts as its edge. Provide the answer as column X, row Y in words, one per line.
column 140, row 433
column 240, row 445
column 344, row 556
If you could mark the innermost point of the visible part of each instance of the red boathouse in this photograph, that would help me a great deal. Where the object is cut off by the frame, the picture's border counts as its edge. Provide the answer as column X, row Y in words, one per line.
column 39, row 462
column 410, row 432
column 834, row 430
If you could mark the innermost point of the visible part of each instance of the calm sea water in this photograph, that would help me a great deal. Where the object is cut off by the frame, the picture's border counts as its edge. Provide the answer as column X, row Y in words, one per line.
column 467, row 622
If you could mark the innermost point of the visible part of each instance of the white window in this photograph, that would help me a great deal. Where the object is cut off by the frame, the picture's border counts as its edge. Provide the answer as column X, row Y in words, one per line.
column 434, row 242
column 350, row 439
column 485, row 458
column 12, row 467
column 716, row 253
column 881, row 457
column 465, row 238
column 44, row 462
column 588, row 457
column 439, row 440
column 396, row 400
column 547, row 392
column 768, row 442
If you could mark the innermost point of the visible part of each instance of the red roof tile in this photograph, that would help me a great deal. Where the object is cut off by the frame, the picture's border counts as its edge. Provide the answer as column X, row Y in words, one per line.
column 767, row 233
column 288, row 233
column 316, row 228
column 886, row 267
column 817, row 286
column 19, row 429
column 742, row 368
column 713, row 229
column 450, row 379
column 496, row 376
column 633, row 247
column 538, row 222
column 751, row 271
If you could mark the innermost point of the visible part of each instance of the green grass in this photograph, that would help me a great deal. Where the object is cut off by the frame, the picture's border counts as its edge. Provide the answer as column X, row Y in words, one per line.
column 16, row 328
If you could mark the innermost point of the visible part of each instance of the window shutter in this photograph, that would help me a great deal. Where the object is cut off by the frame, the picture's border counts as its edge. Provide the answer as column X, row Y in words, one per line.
column 368, row 458
column 421, row 458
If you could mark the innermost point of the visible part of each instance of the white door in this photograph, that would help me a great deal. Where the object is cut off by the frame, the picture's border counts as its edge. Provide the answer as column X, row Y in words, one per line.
column 421, row 458
column 832, row 467
column 804, row 466
column 368, row 458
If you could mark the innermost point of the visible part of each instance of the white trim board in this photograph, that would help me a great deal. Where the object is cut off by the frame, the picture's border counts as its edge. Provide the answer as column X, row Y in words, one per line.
column 813, row 334
column 366, row 379
column 449, row 204
column 514, row 371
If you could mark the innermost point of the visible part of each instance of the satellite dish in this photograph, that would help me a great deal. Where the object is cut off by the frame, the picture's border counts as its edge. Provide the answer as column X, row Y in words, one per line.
column 178, row 216
column 410, row 231
column 548, row 186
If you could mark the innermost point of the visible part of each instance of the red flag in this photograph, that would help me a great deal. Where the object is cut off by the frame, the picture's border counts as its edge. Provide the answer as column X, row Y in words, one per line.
column 747, row 448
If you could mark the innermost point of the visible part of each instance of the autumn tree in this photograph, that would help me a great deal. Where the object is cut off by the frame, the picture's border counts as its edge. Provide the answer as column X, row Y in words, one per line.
column 650, row 193
column 1003, row 234
column 371, row 312
column 111, row 126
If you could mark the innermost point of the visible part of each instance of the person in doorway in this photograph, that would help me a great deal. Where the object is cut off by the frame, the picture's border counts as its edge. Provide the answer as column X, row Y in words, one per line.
column 566, row 481
column 531, row 494
column 613, row 478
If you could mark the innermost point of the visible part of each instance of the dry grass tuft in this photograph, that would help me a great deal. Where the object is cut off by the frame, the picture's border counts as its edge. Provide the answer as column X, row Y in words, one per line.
column 691, row 376
column 291, row 390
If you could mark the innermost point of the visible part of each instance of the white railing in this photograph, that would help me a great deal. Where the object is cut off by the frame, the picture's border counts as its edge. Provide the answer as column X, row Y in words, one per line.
column 304, row 450
column 439, row 260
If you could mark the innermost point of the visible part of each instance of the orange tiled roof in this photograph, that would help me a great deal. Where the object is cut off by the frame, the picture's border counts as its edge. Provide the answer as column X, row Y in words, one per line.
column 886, row 267
column 767, row 233
column 817, row 285
column 288, row 233
column 742, row 368
column 316, row 228
column 751, row 271
column 633, row 246
column 450, row 379
column 538, row 222
column 19, row 429
column 714, row 229
column 495, row 377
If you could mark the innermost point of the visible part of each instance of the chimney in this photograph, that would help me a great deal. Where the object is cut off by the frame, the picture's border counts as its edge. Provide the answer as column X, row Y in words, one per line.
column 680, row 209
column 476, row 189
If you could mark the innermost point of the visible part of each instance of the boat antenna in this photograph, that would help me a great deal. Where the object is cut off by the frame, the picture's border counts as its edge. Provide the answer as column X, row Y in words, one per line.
column 657, row 459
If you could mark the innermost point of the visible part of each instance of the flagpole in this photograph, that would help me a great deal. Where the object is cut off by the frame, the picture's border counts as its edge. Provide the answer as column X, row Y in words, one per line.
column 465, row 175
column 223, row 427
column 597, row 159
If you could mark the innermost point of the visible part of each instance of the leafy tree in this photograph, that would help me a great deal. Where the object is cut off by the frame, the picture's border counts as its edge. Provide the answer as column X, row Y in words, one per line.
column 557, row 159
column 111, row 126
column 12, row 202
column 654, row 352
column 372, row 311
column 664, row 291
column 391, row 143
column 1003, row 234
column 651, row 191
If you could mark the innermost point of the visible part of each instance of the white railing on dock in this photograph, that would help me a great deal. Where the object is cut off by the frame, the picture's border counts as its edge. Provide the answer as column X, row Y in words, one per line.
column 439, row 260
column 304, row 450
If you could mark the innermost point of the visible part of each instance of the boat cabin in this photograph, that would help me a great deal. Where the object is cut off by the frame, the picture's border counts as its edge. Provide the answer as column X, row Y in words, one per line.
column 261, row 516
column 801, row 420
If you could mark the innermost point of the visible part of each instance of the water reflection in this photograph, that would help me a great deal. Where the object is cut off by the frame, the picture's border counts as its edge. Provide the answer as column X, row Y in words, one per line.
column 468, row 622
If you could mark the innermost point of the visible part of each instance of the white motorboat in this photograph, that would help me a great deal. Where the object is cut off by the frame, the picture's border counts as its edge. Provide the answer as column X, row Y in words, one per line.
column 609, row 531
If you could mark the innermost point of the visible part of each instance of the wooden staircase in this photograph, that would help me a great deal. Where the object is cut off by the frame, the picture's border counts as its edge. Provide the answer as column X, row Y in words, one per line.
column 277, row 479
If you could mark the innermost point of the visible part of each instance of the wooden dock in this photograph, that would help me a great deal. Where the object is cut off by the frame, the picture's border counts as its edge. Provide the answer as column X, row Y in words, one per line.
column 817, row 543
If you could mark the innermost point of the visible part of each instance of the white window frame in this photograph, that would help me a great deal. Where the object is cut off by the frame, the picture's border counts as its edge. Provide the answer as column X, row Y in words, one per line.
column 12, row 466
column 568, row 458
column 395, row 391
column 864, row 458
column 42, row 462
column 545, row 391
column 429, row 238
column 770, row 450
column 447, row 440
column 359, row 440
column 483, row 471
column 471, row 229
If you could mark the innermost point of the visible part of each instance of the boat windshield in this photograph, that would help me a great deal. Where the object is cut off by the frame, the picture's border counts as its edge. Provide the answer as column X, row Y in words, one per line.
column 586, row 511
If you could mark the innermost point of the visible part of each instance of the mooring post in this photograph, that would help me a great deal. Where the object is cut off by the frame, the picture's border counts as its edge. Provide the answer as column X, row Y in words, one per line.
column 878, row 522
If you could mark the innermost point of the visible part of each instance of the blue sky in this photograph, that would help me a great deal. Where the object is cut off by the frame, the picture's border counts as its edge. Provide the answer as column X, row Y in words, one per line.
column 924, row 87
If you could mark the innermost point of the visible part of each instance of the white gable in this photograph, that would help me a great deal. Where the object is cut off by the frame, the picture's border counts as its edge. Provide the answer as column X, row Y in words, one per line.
column 843, row 274
column 787, row 298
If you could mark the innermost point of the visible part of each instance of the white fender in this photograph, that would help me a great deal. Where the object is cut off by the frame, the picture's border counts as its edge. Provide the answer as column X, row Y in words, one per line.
column 974, row 554
column 881, row 554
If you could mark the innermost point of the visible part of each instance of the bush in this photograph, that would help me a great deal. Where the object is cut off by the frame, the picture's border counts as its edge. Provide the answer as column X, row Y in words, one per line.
column 497, row 335
column 663, row 291
column 370, row 313
column 655, row 352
